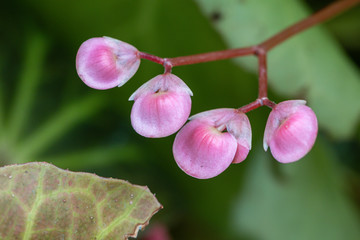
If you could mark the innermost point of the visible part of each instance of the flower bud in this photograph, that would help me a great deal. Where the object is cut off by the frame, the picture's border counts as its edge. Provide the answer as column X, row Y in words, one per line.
column 104, row 62
column 162, row 106
column 290, row 131
column 201, row 148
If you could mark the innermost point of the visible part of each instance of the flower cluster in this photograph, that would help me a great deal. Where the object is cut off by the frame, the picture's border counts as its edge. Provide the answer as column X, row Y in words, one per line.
column 211, row 140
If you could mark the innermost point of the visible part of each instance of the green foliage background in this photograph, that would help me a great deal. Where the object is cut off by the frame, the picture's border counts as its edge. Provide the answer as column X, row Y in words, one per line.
column 48, row 114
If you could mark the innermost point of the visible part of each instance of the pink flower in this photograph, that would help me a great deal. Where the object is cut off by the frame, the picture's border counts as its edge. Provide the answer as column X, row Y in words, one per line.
column 201, row 148
column 290, row 131
column 162, row 106
column 104, row 62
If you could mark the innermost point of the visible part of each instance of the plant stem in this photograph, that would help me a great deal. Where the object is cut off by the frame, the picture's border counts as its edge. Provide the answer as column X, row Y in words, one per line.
column 251, row 106
column 328, row 12
column 256, row 104
column 151, row 57
column 321, row 16
column 261, row 54
column 260, row 50
column 211, row 56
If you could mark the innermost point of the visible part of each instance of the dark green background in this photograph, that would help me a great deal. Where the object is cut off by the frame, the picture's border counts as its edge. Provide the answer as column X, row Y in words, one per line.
column 48, row 114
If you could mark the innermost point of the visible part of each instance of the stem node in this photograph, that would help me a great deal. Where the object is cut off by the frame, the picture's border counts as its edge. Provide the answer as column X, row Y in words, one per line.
column 167, row 65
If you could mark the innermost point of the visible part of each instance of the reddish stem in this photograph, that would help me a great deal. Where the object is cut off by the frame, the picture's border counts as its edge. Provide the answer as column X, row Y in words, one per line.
column 259, row 50
column 321, row 16
column 261, row 54
column 256, row 104
column 152, row 58
column 251, row 106
column 267, row 102
column 211, row 56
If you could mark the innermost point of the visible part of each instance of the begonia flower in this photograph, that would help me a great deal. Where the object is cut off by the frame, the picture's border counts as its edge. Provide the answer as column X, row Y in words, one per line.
column 162, row 106
column 291, row 131
column 203, row 149
column 105, row 62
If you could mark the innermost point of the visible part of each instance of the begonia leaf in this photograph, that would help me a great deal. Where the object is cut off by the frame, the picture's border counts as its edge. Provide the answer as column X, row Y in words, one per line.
column 41, row 201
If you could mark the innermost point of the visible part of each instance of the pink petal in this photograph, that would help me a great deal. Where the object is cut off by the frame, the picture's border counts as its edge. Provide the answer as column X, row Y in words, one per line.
column 235, row 122
column 291, row 131
column 202, row 151
column 241, row 153
column 163, row 82
column 239, row 127
column 104, row 62
column 218, row 117
column 160, row 114
column 162, row 106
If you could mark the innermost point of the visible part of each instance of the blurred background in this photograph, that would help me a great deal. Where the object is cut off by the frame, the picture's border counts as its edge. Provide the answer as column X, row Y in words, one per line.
column 48, row 114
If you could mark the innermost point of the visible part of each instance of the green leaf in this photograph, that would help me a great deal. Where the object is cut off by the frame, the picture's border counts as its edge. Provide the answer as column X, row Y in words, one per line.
column 41, row 201
column 302, row 200
column 311, row 62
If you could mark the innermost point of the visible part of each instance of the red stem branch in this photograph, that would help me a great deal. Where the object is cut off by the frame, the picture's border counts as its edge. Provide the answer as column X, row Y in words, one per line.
column 259, row 50
column 210, row 56
column 328, row 12
column 322, row 15
column 251, row 106
column 152, row 58
column 256, row 104
column 261, row 54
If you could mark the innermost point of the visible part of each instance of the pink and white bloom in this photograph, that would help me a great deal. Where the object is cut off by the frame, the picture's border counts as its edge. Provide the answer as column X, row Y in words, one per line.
column 291, row 131
column 162, row 106
column 203, row 150
column 105, row 62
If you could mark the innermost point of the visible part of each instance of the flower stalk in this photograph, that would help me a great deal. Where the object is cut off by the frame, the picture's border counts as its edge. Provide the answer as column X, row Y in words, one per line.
column 212, row 140
column 259, row 50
